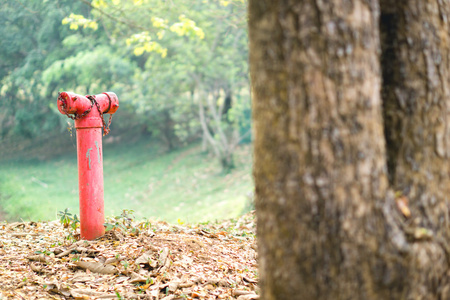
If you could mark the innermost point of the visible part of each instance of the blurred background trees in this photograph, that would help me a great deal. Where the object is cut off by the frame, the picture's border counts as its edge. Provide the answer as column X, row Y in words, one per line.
column 179, row 67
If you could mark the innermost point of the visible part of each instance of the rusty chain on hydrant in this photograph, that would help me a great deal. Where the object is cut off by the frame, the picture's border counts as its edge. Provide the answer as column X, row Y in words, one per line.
column 76, row 116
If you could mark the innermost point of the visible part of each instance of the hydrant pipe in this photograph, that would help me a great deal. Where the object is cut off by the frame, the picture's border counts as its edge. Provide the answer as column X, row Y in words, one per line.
column 89, row 154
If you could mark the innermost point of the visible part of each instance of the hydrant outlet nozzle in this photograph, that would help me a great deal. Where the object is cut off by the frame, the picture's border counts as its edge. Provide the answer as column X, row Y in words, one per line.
column 71, row 103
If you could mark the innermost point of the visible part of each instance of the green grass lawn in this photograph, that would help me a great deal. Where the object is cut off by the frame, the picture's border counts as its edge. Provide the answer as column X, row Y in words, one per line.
column 185, row 184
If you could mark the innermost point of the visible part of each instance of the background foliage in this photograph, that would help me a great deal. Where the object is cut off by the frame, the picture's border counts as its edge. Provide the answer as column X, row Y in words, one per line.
column 164, row 59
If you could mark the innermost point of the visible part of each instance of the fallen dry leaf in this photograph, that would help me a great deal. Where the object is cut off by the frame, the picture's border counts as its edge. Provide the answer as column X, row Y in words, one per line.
column 96, row 267
column 402, row 205
column 35, row 268
column 147, row 258
column 241, row 292
column 248, row 297
column 421, row 233
column 40, row 258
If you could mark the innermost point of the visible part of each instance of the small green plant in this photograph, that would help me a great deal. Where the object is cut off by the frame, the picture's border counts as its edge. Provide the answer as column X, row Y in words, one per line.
column 145, row 224
column 127, row 217
column 71, row 237
column 118, row 295
column 111, row 226
column 75, row 222
column 124, row 222
column 65, row 217
column 45, row 252
column 68, row 220
column 125, row 264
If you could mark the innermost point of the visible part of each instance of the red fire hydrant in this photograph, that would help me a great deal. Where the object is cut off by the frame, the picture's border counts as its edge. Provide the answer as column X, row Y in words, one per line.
column 87, row 111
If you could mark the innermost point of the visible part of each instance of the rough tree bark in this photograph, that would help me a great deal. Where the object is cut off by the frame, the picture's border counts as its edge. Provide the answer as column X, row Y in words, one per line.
column 328, row 223
column 415, row 39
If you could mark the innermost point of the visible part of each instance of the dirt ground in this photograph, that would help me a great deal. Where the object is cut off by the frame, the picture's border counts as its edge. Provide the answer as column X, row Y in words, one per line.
column 147, row 260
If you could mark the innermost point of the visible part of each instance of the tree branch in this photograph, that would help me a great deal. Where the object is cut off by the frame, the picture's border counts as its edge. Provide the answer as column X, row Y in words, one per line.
column 241, row 138
column 206, row 132
column 217, row 120
column 112, row 17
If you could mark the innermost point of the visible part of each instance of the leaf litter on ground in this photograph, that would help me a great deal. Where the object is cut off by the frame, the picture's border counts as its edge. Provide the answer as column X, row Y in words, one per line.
column 160, row 261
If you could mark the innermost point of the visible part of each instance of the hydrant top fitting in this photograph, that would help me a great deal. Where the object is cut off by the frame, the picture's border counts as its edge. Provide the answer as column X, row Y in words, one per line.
column 71, row 103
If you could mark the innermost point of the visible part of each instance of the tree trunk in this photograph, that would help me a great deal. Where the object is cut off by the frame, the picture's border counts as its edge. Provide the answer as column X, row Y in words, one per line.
column 328, row 226
column 167, row 128
column 416, row 94
column 227, row 161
